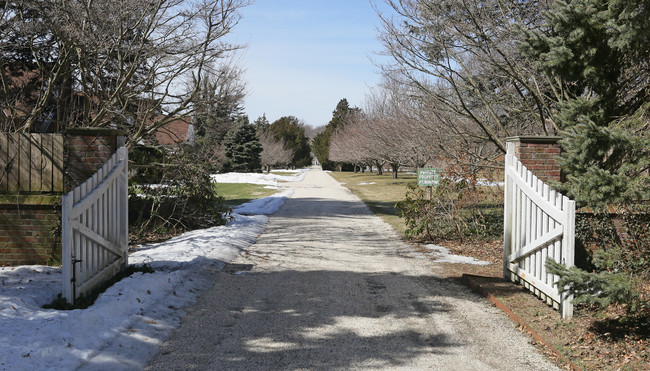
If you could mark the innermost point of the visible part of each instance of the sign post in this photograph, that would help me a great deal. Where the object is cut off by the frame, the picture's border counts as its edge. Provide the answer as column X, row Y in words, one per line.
column 428, row 177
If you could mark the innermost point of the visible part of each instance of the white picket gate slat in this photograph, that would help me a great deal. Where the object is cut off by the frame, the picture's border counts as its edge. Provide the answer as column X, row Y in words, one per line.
column 539, row 223
column 95, row 228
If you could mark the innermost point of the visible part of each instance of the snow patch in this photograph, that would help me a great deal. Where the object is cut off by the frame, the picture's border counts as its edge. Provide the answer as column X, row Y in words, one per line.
column 260, row 178
column 127, row 323
column 443, row 255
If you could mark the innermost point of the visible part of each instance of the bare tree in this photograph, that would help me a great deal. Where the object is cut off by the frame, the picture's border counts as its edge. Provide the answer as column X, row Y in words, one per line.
column 274, row 153
column 115, row 63
column 462, row 56
column 387, row 131
column 351, row 144
column 311, row 132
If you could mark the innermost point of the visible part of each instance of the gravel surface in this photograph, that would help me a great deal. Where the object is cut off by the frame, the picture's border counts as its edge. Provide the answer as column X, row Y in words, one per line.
column 327, row 286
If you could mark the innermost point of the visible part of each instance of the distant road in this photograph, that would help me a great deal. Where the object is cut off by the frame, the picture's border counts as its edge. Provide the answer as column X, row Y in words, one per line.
column 327, row 286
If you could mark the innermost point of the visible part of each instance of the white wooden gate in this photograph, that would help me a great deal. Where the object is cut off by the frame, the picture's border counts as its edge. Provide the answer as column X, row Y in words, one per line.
column 539, row 223
column 95, row 228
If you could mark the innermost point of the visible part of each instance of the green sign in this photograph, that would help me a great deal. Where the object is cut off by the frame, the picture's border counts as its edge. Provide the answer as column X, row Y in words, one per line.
column 428, row 177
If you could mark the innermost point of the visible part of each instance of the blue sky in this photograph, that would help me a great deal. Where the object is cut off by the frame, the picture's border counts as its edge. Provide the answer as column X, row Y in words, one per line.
column 303, row 56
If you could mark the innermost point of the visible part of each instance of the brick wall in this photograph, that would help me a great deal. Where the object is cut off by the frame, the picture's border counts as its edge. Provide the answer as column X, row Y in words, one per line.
column 623, row 228
column 30, row 224
column 539, row 155
column 86, row 151
column 29, row 230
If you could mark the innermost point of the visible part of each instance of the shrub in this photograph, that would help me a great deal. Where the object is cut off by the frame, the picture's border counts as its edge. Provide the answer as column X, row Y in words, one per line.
column 455, row 209
column 617, row 269
column 184, row 199
column 603, row 287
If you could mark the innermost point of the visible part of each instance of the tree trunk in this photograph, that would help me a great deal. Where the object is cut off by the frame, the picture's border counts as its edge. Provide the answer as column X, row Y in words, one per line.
column 380, row 168
column 394, row 167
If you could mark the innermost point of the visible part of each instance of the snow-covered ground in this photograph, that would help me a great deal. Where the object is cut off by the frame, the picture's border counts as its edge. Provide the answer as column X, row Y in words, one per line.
column 269, row 179
column 125, row 326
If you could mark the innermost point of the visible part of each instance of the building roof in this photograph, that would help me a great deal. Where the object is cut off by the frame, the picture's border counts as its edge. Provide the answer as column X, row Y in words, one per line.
column 176, row 132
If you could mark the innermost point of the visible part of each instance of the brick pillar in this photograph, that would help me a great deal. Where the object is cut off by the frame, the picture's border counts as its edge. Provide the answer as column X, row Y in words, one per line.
column 86, row 151
column 539, row 155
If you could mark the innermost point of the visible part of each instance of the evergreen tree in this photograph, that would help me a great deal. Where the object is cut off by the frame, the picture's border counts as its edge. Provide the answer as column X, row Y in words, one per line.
column 292, row 132
column 599, row 50
column 261, row 124
column 218, row 104
column 321, row 142
column 243, row 148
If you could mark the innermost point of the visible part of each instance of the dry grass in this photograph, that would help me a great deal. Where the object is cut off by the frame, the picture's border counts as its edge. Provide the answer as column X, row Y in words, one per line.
column 379, row 192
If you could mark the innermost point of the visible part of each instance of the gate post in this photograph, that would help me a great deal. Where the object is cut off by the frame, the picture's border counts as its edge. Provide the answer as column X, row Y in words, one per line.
column 507, row 211
column 66, row 249
column 537, row 224
column 568, row 253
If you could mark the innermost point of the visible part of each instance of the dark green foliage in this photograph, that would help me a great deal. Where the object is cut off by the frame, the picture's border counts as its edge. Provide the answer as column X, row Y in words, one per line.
column 217, row 110
column 84, row 302
column 261, row 124
column 603, row 288
column 184, row 198
column 142, row 164
column 599, row 51
column 320, row 144
column 216, row 106
column 617, row 266
column 603, row 230
column 21, row 50
column 243, row 148
column 451, row 211
column 289, row 130
column 320, row 148
column 605, row 164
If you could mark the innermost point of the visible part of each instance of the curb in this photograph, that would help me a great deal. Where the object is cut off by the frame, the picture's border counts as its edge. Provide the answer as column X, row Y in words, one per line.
column 468, row 280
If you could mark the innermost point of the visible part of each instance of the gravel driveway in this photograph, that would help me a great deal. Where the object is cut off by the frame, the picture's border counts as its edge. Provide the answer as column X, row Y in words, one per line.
column 327, row 286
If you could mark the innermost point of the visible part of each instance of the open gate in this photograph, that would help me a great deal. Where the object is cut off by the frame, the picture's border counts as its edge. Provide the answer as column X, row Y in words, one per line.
column 539, row 223
column 95, row 228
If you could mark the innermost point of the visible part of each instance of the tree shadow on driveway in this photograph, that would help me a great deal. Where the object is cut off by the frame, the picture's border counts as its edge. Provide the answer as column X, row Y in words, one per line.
column 312, row 319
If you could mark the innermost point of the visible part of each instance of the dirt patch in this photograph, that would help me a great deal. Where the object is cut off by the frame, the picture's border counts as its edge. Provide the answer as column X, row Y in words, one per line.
column 590, row 340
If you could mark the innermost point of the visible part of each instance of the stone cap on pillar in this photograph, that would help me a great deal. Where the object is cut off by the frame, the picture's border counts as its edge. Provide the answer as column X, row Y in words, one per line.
column 534, row 139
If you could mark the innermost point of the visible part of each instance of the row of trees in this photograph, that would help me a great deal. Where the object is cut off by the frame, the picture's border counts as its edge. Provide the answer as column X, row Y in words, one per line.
column 385, row 132
column 465, row 76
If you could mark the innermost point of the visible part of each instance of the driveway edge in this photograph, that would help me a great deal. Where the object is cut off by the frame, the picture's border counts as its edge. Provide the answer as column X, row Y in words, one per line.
column 470, row 281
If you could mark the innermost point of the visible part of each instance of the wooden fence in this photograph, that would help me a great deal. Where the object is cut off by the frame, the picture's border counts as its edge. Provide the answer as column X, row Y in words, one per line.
column 95, row 228
column 31, row 163
column 539, row 224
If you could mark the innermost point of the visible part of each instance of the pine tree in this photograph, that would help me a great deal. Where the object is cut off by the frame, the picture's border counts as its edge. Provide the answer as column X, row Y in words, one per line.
column 320, row 144
column 601, row 288
column 261, row 124
column 291, row 132
column 243, row 148
column 599, row 50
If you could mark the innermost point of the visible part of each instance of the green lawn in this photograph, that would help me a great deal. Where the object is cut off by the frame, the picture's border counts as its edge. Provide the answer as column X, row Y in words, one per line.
column 239, row 193
column 380, row 196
